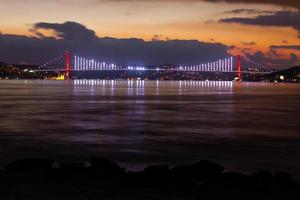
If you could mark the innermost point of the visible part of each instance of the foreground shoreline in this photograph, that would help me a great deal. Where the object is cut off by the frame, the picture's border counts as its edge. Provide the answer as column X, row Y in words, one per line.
column 103, row 179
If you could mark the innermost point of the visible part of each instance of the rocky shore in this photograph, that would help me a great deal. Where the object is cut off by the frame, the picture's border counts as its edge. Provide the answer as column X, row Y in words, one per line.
column 31, row 179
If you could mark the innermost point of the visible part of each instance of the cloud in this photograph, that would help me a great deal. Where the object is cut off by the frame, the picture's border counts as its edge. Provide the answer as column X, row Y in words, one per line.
column 67, row 30
column 294, row 58
column 285, row 41
column 249, row 43
column 279, row 19
column 284, row 3
column 262, row 58
column 83, row 41
column 291, row 47
column 132, row 51
column 258, row 56
column 232, row 47
column 248, row 11
column 159, row 37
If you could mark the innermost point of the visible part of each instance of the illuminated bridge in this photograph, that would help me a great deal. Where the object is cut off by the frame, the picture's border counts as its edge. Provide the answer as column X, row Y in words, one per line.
column 76, row 63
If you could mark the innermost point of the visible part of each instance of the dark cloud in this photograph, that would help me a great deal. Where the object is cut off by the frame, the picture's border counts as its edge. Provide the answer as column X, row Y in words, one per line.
column 280, row 19
column 292, row 47
column 246, row 50
column 285, row 41
column 159, row 37
column 249, row 43
column 231, row 47
column 294, row 58
column 273, row 53
column 132, row 51
column 258, row 56
column 269, row 60
column 82, row 41
column 67, row 30
column 249, row 11
column 285, row 3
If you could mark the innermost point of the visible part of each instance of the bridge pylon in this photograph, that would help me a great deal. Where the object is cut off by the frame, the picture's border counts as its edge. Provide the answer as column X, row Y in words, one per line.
column 239, row 71
column 68, row 64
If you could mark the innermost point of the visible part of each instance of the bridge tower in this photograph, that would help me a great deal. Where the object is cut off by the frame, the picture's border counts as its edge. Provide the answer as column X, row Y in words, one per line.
column 68, row 64
column 239, row 71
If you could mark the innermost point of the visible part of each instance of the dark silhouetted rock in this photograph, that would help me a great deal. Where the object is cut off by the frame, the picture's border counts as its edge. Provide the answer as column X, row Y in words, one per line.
column 235, row 180
column 105, row 166
column 30, row 164
column 202, row 170
column 208, row 167
column 157, row 171
column 72, row 166
column 262, row 179
column 284, row 179
column 27, row 179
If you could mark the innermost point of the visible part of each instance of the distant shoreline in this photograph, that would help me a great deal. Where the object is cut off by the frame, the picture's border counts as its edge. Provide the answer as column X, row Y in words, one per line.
column 124, row 80
column 8, row 71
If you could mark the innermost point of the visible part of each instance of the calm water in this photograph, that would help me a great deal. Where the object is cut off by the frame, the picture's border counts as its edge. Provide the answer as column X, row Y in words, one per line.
column 245, row 126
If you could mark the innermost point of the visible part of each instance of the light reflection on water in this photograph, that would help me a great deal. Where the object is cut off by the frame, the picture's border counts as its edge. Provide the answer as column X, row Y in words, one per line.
column 139, row 87
column 242, row 125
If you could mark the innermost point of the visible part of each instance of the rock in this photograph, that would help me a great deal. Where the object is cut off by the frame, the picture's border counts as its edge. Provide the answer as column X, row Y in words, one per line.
column 157, row 171
column 262, row 180
column 202, row 170
column 72, row 166
column 284, row 179
column 235, row 180
column 105, row 166
column 30, row 164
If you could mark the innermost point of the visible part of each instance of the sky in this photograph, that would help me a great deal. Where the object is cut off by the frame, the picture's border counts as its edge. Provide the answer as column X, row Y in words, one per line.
column 151, row 31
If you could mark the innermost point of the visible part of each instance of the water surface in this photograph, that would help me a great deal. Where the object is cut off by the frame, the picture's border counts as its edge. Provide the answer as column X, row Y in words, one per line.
column 245, row 126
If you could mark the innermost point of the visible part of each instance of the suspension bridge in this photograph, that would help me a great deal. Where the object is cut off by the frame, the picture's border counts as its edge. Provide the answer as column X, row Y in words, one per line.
column 74, row 63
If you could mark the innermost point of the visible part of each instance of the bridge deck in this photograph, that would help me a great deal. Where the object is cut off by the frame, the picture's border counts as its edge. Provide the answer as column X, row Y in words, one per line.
column 170, row 70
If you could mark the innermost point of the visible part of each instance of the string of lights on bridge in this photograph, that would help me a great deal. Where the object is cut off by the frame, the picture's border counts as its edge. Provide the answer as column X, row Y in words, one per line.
column 253, row 62
column 53, row 61
column 84, row 64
